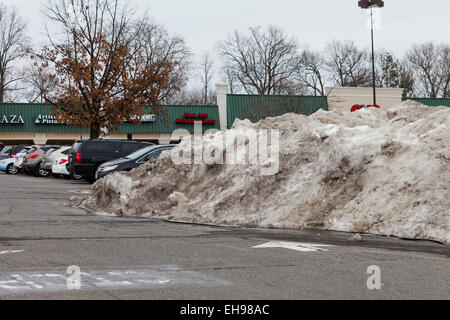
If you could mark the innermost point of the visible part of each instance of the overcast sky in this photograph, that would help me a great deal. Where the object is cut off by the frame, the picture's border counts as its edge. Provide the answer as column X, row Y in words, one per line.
column 313, row 22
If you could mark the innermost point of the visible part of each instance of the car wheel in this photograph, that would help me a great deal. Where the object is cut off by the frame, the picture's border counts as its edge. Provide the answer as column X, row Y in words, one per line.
column 42, row 172
column 12, row 169
column 75, row 176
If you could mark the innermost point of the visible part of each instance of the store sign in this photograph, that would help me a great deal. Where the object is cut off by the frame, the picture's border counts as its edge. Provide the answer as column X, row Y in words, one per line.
column 11, row 119
column 357, row 107
column 145, row 118
column 191, row 118
column 47, row 119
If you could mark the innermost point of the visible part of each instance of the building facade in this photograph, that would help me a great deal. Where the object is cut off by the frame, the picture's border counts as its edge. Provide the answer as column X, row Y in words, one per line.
column 34, row 124
column 340, row 98
column 22, row 123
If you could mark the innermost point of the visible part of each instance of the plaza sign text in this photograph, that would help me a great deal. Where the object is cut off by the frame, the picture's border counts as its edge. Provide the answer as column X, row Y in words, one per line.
column 11, row 119
column 47, row 119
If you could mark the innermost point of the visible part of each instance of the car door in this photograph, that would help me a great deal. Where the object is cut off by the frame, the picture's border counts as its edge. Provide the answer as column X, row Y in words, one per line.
column 110, row 151
column 98, row 152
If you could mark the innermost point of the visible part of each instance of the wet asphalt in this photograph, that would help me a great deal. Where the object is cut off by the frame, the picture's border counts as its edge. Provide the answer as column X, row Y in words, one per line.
column 131, row 258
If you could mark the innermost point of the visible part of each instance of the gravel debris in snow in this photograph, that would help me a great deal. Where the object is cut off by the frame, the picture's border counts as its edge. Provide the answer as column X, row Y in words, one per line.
column 383, row 172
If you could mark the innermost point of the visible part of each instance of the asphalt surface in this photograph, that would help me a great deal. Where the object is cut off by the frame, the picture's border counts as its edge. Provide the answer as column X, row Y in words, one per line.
column 123, row 258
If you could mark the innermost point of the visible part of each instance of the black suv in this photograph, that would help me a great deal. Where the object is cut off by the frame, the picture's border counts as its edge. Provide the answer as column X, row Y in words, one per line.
column 86, row 155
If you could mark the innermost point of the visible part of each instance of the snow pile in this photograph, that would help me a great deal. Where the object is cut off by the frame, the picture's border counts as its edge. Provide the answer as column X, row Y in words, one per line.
column 373, row 171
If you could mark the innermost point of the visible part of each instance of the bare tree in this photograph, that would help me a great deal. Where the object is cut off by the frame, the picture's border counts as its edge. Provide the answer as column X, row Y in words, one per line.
column 206, row 73
column 158, row 46
column 430, row 64
column 262, row 60
column 39, row 84
column 12, row 47
column 311, row 72
column 193, row 97
column 444, row 62
column 187, row 96
column 347, row 65
column 291, row 87
column 105, row 72
column 231, row 79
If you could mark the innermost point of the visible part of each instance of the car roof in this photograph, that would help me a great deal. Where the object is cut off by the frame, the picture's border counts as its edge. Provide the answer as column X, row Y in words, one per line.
column 157, row 146
column 64, row 147
column 111, row 140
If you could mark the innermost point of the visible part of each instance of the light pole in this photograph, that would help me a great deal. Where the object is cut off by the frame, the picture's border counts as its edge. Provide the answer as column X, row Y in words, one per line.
column 370, row 4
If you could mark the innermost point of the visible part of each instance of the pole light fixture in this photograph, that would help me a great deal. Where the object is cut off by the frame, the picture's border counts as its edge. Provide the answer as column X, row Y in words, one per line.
column 366, row 4
column 370, row 4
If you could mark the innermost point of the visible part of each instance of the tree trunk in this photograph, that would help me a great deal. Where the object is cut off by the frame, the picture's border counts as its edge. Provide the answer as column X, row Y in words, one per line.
column 2, row 90
column 95, row 131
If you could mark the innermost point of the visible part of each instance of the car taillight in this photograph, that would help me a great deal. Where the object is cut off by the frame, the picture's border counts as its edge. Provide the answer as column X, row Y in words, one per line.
column 33, row 156
column 13, row 156
column 78, row 157
column 63, row 161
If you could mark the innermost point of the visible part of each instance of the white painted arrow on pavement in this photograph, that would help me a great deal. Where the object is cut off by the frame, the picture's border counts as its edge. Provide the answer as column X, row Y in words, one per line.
column 297, row 246
column 11, row 251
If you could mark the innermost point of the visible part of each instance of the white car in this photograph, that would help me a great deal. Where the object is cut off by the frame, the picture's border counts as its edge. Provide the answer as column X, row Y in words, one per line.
column 59, row 167
column 19, row 157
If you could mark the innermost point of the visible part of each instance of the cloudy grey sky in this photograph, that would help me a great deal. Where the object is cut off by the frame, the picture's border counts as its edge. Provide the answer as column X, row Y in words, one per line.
column 313, row 22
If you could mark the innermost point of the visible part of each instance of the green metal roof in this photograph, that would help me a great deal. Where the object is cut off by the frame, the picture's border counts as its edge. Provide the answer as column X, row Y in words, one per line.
column 29, row 113
column 256, row 107
column 13, row 113
column 432, row 102
column 166, row 121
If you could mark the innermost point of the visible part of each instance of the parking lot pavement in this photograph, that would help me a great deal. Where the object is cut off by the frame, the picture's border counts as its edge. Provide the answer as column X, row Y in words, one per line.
column 130, row 258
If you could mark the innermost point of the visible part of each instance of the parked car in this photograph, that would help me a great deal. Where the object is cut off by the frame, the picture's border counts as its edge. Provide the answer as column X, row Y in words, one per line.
column 10, row 151
column 7, row 165
column 5, row 153
column 20, row 156
column 31, row 160
column 51, row 155
column 86, row 156
column 59, row 168
column 131, row 161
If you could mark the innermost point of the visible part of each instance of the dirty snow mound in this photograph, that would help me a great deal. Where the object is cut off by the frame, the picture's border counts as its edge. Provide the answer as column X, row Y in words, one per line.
column 374, row 171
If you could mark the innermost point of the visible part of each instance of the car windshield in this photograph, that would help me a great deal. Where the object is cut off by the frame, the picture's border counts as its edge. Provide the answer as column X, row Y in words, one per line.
column 30, row 150
column 6, row 149
column 139, row 153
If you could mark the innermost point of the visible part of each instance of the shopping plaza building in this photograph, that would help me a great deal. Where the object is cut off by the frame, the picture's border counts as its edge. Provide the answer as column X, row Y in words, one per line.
column 22, row 123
